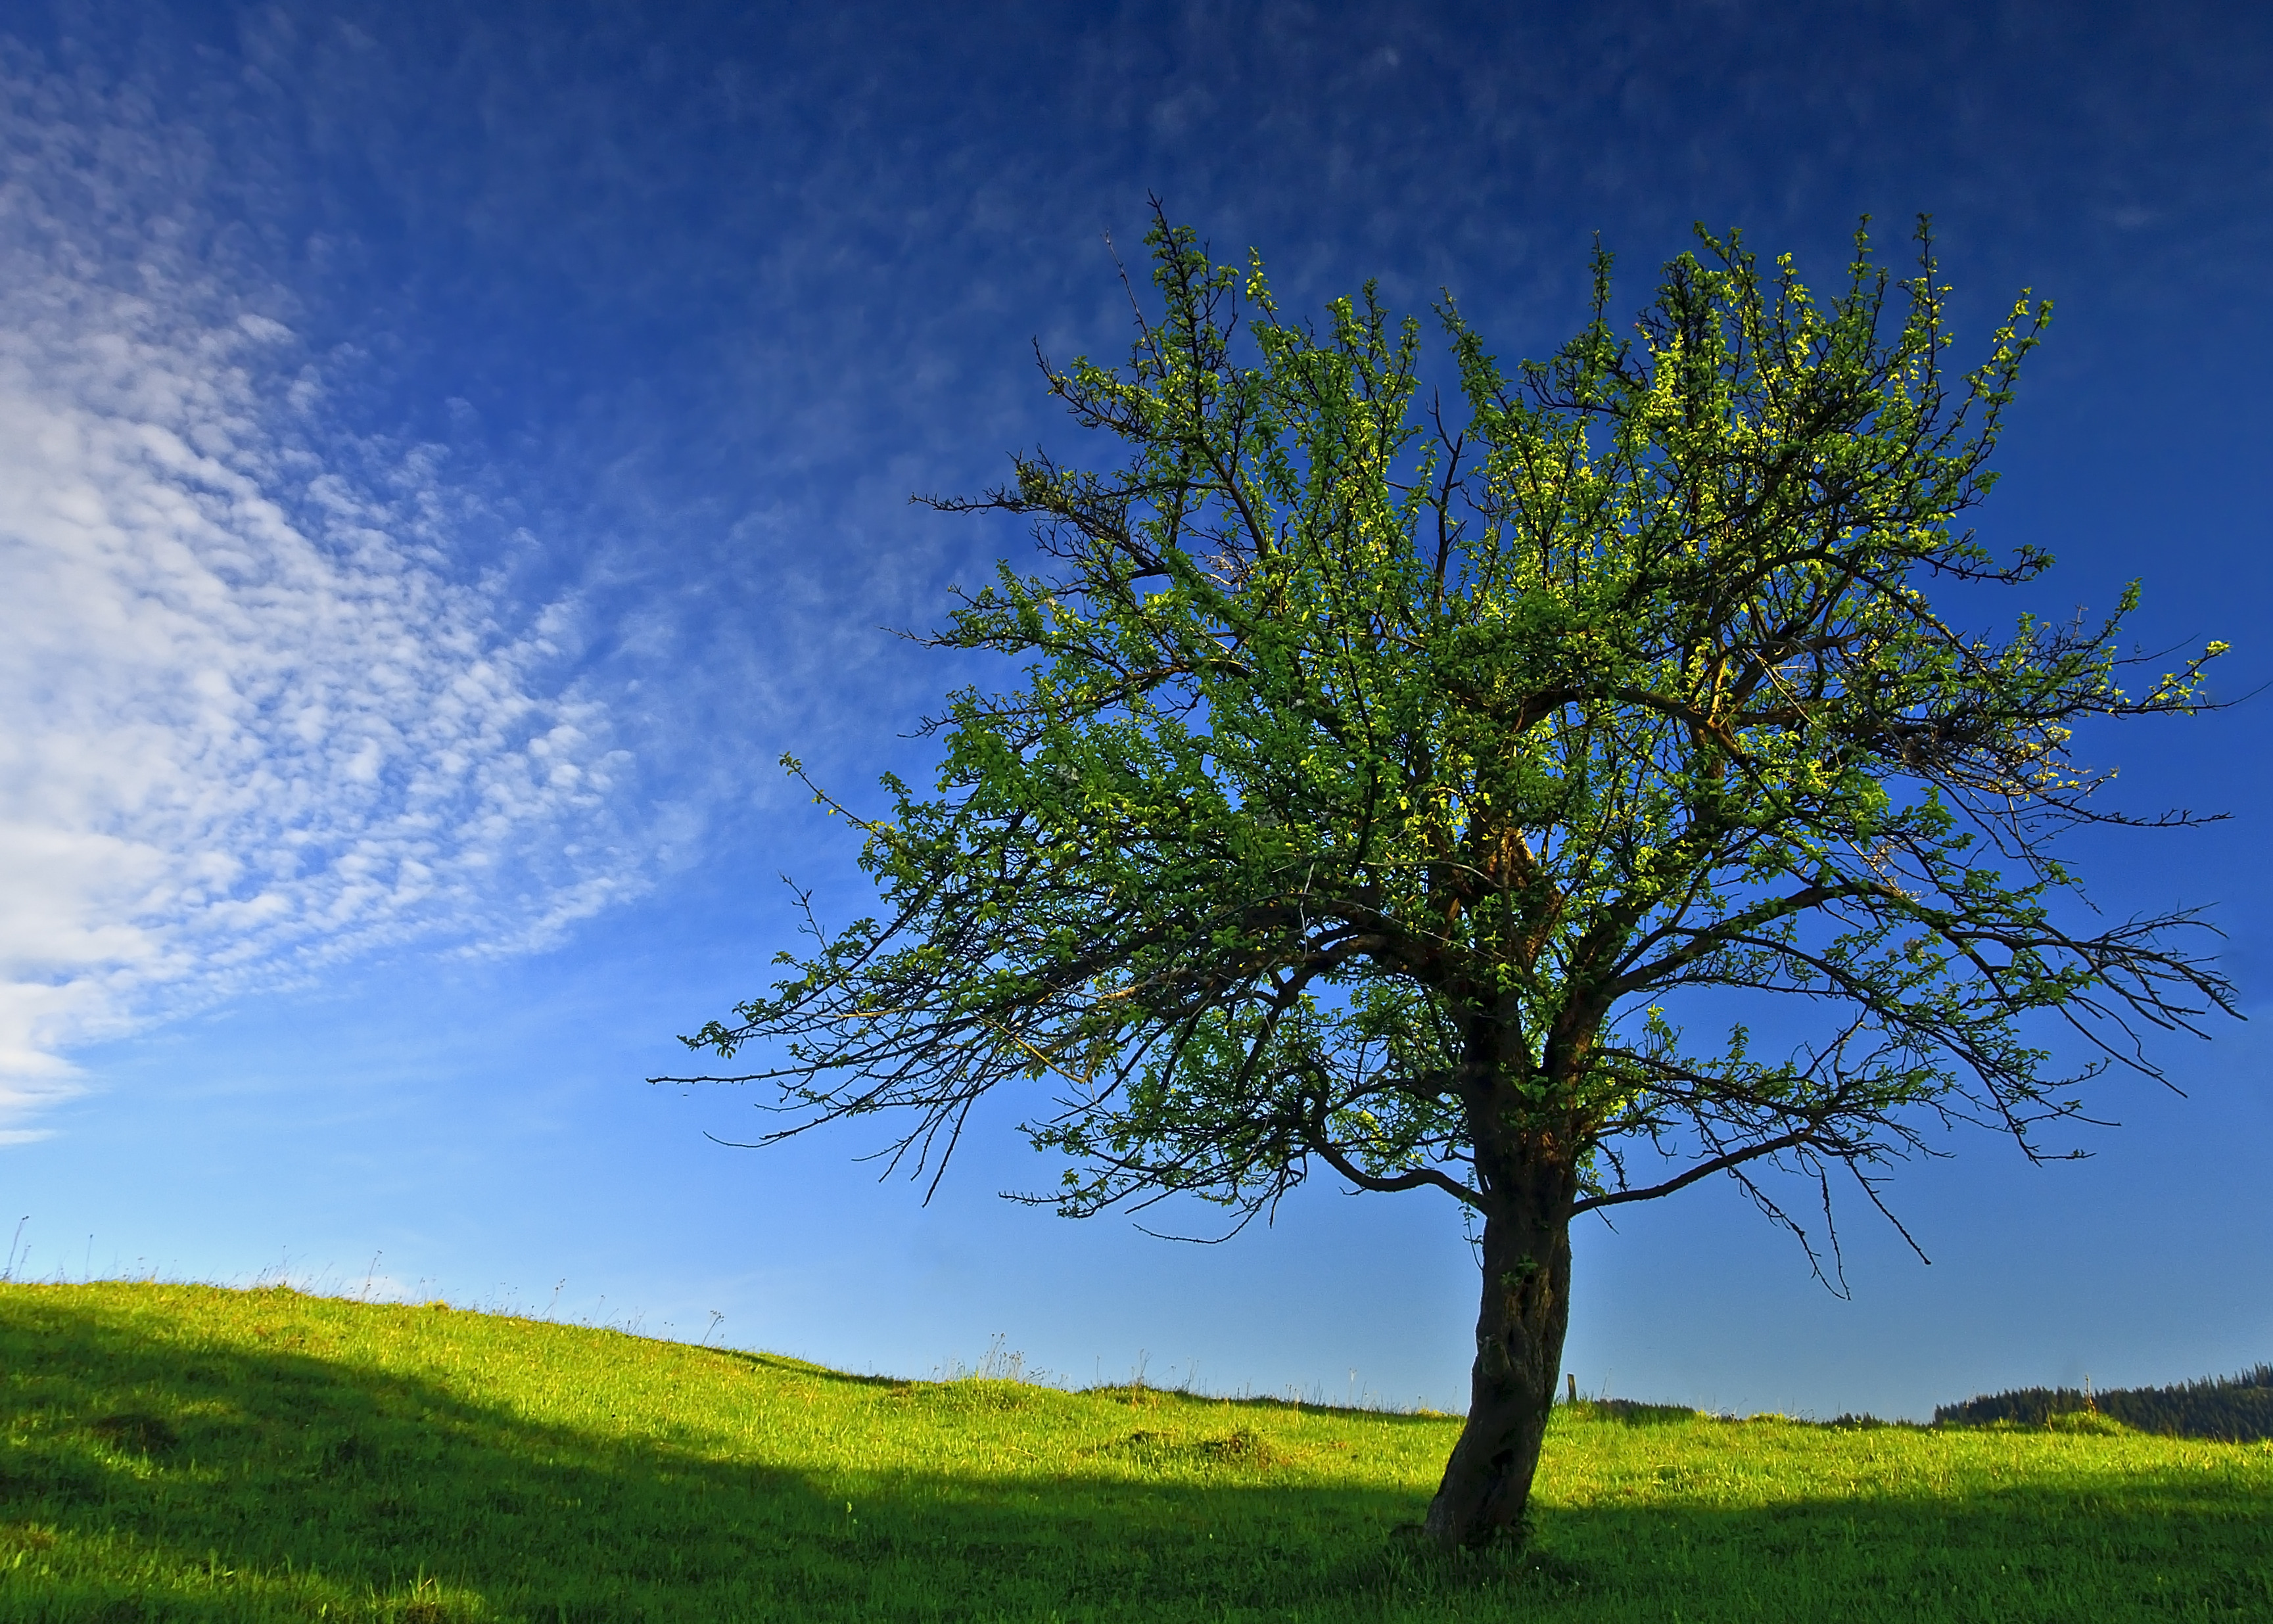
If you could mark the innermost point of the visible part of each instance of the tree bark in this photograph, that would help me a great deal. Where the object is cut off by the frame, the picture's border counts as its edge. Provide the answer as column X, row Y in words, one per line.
column 1527, row 1309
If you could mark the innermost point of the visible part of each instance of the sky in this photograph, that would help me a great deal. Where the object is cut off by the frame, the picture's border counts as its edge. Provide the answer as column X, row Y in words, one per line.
column 448, row 453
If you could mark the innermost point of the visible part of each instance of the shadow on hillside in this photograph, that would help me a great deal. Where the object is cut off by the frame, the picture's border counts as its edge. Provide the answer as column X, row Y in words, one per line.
column 257, row 1463
column 2100, row 1545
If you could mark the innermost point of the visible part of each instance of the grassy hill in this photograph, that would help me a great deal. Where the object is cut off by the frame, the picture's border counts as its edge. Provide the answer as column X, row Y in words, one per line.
column 2239, row 1408
column 185, row 1452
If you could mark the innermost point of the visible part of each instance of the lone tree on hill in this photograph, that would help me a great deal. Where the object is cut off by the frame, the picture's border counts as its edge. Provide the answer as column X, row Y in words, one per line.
column 1384, row 776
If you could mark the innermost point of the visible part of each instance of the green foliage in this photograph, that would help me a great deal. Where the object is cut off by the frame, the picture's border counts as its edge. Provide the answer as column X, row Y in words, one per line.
column 185, row 1453
column 1387, row 777
column 2232, row 1407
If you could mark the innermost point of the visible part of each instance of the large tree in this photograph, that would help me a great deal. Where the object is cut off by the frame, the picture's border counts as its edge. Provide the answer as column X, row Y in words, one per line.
column 1388, row 779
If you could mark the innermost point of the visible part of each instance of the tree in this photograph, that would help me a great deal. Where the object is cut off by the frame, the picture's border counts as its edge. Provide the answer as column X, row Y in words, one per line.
column 1385, row 781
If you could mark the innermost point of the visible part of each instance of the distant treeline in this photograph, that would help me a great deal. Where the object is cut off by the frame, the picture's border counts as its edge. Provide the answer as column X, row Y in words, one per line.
column 2239, row 1408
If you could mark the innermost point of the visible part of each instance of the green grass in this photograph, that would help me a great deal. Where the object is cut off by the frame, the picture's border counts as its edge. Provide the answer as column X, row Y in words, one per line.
column 193, row 1453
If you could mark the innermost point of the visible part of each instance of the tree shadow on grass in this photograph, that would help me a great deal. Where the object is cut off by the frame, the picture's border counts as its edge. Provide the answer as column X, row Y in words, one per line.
column 2159, row 1547
column 144, row 1479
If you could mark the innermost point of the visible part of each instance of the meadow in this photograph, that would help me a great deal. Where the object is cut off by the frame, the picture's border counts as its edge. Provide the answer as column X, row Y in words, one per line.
column 189, row 1452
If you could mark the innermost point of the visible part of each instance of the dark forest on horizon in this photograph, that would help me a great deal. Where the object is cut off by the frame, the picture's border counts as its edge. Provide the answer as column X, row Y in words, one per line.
column 2238, row 1409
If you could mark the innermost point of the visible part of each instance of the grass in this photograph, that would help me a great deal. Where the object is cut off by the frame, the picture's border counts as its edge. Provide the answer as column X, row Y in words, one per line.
column 186, row 1452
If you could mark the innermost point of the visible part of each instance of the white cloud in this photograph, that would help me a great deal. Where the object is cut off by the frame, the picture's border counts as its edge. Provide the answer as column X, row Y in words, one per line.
column 254, row 717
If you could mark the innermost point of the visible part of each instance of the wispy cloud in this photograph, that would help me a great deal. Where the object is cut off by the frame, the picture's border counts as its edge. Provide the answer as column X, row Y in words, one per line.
column 256, row 714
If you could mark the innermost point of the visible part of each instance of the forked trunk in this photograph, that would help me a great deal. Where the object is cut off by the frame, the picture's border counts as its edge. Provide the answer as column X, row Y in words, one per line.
column 1526, row 1308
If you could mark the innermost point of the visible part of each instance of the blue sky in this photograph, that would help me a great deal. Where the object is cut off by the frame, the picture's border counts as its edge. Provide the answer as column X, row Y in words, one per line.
column 450, row 452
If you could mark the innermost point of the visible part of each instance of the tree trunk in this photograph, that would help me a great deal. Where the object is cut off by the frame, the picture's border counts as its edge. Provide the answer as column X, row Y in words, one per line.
column 1526, row 1308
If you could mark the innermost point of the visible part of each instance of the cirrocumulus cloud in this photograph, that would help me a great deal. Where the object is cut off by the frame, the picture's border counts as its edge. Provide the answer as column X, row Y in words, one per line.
column 260, row 712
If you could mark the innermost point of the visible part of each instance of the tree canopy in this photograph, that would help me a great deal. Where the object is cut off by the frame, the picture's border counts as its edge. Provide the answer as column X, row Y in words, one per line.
column 1392, row 781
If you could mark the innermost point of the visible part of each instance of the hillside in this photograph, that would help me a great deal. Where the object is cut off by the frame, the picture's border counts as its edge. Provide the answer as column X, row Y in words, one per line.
column 2238, row 1408
column 185, row 1452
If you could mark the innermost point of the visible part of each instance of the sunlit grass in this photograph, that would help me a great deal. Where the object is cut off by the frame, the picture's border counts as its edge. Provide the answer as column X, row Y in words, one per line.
column 189, row 1452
